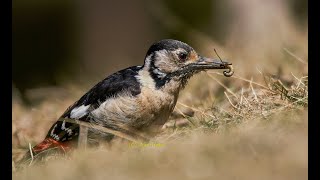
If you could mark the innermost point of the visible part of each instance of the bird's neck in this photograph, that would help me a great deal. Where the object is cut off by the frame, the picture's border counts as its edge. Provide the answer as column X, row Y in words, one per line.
column 157, row 81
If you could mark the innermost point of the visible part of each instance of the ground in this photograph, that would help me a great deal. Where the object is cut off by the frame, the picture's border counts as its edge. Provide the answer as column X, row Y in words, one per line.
column 225, row 128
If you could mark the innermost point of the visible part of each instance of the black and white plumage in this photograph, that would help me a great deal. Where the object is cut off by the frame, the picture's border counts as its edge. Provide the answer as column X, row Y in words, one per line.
column 141, row 97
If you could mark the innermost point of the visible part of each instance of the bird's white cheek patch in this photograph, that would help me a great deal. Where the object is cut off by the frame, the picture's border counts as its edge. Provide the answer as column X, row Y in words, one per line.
column 159, row 73
column 79, row 112
column 145, row 79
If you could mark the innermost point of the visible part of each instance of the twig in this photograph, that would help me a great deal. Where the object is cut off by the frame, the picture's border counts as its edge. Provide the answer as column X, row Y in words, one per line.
column 217, row 54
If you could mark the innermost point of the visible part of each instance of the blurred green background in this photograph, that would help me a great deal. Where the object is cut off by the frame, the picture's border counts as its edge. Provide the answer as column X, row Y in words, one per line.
column 63, row 41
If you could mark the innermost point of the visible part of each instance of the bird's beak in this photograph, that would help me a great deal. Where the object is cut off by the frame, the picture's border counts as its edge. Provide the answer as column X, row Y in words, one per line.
column 208, row 63
column 204, row 63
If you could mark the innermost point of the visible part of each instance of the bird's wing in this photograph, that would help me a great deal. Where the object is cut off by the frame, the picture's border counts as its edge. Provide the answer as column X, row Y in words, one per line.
column 113, row 85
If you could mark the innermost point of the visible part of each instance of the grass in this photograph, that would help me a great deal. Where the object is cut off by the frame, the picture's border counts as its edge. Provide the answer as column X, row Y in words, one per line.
column 252, row 125
column 259, row 130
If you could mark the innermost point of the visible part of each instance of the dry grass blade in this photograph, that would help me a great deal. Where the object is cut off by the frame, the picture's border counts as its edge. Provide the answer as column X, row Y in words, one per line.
column 299, row 80
column 253, row 91
column 30, row 149
column 296, row 57
column 248, row 103
column 13, row 167
column 286, row 106
column 135, row 137
column 195, row 109
column 241, row 96
column 243, row 79
column 83, row 137
column 228, row 89
column 185, row 116
column 230, row 101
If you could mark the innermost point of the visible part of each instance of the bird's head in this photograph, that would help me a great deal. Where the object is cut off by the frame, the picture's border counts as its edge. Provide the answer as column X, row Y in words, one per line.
column 172, row 59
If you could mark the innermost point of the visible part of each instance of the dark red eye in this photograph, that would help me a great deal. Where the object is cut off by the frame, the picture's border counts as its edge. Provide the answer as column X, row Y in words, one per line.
column 182, row 56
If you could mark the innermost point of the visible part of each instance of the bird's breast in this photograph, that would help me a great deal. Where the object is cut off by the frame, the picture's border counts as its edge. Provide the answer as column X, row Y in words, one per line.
column 149, row 108
column 157, row 105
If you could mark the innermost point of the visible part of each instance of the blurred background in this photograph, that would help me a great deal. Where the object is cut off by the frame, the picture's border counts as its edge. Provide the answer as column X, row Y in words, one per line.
column 63, row 42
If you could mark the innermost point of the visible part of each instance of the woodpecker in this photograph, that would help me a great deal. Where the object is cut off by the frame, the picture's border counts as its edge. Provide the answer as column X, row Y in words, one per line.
column 140, row 97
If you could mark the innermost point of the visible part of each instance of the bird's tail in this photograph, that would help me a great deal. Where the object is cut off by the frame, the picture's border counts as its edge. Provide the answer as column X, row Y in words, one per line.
column 50, row 143
column 44, row 148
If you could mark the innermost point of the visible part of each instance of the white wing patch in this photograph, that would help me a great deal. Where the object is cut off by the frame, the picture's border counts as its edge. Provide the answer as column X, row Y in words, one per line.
column 79, row 112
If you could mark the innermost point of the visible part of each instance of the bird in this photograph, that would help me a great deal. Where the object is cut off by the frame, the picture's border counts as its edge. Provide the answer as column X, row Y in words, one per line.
column 139, row 97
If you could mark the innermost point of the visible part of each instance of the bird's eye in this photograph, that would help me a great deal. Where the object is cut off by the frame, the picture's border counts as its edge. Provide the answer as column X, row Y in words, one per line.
column 182, row 56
